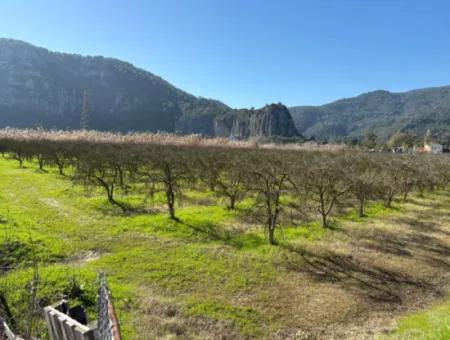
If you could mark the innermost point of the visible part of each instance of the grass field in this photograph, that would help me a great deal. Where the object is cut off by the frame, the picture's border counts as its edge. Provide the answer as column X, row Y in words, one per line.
column 212, row 273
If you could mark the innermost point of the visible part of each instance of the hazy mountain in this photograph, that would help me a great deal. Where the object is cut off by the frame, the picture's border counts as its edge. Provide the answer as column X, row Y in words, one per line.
column 380, row 112
column 40, row 87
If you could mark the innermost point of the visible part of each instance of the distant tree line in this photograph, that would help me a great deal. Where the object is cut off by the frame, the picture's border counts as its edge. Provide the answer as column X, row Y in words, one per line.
column 280, row 182
column 405, row 139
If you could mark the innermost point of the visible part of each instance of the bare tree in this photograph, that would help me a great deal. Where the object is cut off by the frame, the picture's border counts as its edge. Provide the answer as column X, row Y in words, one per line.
column 99, row 166
column 325, row 181
column 362, row 174
column 169, row 167
column 268, row 178
column 391, row 175
column 227, row 170
column 408, row 177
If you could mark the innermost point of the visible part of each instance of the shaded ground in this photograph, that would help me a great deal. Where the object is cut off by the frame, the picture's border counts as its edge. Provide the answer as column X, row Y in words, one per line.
column 377, row 270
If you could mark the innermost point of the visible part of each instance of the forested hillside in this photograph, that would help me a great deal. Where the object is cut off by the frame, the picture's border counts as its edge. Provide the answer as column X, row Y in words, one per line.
column 43, row 88
column 380, row 112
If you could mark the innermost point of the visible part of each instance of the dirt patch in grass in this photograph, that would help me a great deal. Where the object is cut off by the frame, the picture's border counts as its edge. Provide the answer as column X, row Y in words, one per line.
column 83, row 258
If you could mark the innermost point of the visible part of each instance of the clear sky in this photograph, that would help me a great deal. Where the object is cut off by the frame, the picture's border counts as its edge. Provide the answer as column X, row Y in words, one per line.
column 252, row 52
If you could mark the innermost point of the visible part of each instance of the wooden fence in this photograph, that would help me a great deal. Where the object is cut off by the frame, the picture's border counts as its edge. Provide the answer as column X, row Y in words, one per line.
column 62, row 327
column 6, row 333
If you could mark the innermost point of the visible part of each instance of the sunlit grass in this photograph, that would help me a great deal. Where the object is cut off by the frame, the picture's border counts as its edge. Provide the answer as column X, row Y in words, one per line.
column 214, row 262
column 432, row 324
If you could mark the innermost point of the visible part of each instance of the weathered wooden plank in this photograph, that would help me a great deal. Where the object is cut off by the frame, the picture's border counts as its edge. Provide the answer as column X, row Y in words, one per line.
column 49, row 323
column 78, row 333
column 66, row 323
column 7, row 331
column 60, row 318
column 55, row 322
column 64, row 327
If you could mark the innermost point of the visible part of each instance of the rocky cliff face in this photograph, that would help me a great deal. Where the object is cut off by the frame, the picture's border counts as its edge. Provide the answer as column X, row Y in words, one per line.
column 40, row 87
column 269, row 121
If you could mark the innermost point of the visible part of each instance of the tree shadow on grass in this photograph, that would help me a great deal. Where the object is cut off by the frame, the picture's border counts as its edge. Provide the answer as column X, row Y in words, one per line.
column 431, row 205
column 420, row 239
column 123, row 208
column 369, row 280
column 426, row 248
column 422, row 223
column 214, row 232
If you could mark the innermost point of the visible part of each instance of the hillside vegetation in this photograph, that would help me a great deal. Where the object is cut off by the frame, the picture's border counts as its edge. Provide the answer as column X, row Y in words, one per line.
column 51, row 90
column 380, row 112
column 235, row 242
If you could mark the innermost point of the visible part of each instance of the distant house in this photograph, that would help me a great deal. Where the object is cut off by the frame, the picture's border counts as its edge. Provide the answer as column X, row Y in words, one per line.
column 420, row 149
column 434, row 148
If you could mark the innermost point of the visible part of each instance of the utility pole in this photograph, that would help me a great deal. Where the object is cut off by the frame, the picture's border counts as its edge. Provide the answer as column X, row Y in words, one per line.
column 84, row 117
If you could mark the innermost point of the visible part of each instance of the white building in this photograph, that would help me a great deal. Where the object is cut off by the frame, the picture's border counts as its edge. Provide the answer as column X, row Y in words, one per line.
column 434, row 148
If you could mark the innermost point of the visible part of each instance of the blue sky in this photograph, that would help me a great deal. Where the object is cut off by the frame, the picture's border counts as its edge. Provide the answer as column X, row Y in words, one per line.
column 252, row 52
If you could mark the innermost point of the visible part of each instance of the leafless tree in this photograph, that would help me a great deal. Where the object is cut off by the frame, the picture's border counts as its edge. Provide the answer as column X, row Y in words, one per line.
column 325, row 181
column 268, row 179
column 363, row 176
column 168, row 167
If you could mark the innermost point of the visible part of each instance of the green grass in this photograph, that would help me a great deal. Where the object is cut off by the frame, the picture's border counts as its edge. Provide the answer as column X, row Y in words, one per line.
column 433, row 324
column 372, row 210
column 247, row 320
column 198, row 255
column 213, row 263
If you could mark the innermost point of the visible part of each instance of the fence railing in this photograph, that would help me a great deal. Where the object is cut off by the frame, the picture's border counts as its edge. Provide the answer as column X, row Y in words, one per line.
column 62, row 327
column 6, row 333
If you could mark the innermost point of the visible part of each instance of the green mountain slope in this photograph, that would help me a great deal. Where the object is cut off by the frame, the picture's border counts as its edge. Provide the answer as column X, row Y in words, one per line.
column 44, row 88
column 41, row 87
column 380, row 112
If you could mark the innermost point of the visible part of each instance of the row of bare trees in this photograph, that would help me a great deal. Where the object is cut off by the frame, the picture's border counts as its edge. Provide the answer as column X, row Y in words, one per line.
column 279, row 182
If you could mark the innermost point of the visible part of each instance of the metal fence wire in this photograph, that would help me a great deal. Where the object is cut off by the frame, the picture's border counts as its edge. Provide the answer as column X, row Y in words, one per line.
column 107, row 323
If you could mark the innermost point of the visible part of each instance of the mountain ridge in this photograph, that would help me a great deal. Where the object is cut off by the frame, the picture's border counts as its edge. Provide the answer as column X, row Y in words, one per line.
column 46, row 88
column 381, row 112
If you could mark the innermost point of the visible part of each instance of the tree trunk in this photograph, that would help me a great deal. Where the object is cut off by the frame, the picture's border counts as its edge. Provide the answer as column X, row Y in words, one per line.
column 324, row 220
column 116, row 203
column 110, row 193
column 421, row 192
column 388, row 202
column 212, row 185
column 271, row 225
column 232, row 203
column 171, row 203
column 361, row 208
column 272, row 236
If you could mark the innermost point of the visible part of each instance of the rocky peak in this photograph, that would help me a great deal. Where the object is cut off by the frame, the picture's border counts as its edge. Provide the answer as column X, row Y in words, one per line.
column 269, row 121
